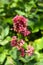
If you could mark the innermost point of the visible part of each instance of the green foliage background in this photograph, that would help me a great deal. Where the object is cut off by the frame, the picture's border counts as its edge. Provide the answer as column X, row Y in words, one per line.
column 31, row 9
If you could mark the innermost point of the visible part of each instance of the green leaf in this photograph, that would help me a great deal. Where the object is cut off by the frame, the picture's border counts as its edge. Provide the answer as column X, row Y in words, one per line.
column 29, row 63
column 25, row 46
column 20, row 12
column 38, row 44
column 39, row 63
column 34, row 26
column 40, row 6
column 26, row 39
column 38, row 56
column 1, row 49
column 35, row 29
column 18, row 62
column 2, row 34
column 5, row 41
column 30, row 23
column 3, row 56
column 13, row 53
column 4, row 2
column 6, row 31
column 8, row 20
column 41, row 25
column 10, row 61
column 26, row 58
column 23, row 59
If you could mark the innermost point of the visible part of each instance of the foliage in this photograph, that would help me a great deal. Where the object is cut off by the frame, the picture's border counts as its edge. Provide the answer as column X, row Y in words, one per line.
column 33, row 11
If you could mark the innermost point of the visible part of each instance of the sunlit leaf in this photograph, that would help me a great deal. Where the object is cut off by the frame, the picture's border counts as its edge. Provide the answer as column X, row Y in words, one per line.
column 38, row 44
column 5, row 41
column 2, row 57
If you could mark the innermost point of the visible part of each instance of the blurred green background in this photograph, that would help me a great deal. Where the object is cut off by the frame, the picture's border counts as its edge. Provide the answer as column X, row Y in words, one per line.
column 31, row 9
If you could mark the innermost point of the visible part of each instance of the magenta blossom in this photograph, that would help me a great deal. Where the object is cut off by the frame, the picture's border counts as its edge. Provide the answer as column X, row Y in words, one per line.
column 25, row 32
column 14, row 41
column 20, row 25
column 22, row 52
column 19, row 19
column 18, row 44
column 21, row 42
column 30, row 50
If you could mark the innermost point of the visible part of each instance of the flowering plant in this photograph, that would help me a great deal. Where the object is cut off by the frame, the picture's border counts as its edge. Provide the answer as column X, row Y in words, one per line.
column 21, row 32
column 20, row 26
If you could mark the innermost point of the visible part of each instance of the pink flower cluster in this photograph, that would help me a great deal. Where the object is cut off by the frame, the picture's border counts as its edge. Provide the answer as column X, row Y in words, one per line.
column 20, row 25
column 14, row 41
column 29, row 50
column 19, row 45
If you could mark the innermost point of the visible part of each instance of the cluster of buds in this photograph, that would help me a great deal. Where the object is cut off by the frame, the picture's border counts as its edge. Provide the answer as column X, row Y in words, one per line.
column 20, row 25
column 19, row 45
column 14, row 41
column 30, row 50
